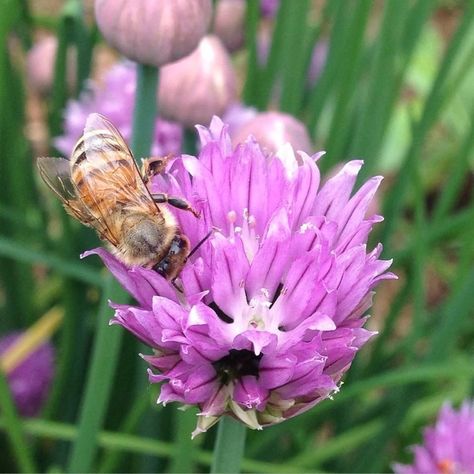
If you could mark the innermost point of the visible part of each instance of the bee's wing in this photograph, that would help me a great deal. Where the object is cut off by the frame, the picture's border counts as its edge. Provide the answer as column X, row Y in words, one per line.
column 56, row 173
column 106, row 152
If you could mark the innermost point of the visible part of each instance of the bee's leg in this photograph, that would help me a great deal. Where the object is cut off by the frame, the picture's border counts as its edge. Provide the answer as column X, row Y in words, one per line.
column 175, row 202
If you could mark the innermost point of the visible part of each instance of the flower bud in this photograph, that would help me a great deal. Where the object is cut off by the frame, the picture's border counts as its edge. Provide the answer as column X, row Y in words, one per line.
column 237, row 115
column 40, row 65
column 30, row 380
column 229, row 23
column 153, row 32
column 199, row 86
column 272, row 130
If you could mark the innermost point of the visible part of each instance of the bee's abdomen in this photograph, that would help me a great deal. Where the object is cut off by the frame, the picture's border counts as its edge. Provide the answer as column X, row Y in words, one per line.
column 145, row 239
column 102, row 172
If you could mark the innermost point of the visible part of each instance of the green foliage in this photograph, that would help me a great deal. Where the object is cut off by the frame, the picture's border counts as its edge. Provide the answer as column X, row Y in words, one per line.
column 393, row 91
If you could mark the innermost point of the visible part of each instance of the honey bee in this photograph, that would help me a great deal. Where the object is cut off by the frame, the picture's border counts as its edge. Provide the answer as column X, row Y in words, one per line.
column 102, row 187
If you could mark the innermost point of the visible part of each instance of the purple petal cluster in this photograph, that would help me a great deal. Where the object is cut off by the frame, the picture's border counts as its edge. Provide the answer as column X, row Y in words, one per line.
column 31, row 379
column 275, row 300
column 448, row 445
column 115, row 99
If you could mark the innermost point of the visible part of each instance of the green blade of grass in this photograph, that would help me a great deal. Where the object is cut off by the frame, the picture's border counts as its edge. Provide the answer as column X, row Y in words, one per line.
column 135, row 444
column 20, row 252
column 99, row 383
column 251, row 92
column 456, row 177
column 431, row 111
column 293, row 73
column 349, row 70
column 417, row 266
column 384, row 99
column 341, row 445
column 437, row 232
column 113, row 458
column 14, row 429
column 274, row 61
column 382, row 71
column 458, row 368
column 453, row 317
column 60, row 81
column 324, row 87
column 15, row 171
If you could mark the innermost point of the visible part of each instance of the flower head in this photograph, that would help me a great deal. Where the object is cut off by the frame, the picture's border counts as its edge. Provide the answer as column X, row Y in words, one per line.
column 115, row 99
column 154, row 32
column 30, row 380
column 447, row 447
column 274, row 301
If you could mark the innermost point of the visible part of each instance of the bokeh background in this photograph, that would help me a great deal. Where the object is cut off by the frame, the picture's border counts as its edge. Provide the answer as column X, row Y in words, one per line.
column 387, row 81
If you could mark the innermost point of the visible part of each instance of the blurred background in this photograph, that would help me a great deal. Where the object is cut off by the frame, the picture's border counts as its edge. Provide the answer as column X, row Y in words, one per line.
column 387, row 81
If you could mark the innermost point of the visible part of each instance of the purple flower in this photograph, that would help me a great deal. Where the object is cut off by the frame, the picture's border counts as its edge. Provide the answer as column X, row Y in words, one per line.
column 448, row 445
column 268, row 8
column 31, row 379
column 115, row 99
column 274, row 301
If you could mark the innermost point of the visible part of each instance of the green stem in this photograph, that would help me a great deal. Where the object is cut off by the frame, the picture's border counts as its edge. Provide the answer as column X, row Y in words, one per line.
column 229, row 447
column 14, row 429
column 189, row 141
column 185, row 448
column 145, row 110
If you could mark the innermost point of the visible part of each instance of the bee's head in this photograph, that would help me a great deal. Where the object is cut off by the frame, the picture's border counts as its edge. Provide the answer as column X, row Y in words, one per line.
column 173, row 262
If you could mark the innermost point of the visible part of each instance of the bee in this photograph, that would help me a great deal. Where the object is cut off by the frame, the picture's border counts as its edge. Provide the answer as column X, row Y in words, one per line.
column 102, row 187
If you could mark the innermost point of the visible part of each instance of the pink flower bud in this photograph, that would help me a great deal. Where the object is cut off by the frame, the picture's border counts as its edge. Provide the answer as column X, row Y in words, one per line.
column 153, row 32
column 199, row 86
column 229, row 23
column 30, row 381
column 272, row 130
column 40, row 65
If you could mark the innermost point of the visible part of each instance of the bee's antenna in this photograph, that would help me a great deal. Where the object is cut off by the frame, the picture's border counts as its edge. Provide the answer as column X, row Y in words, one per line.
column 202, row 241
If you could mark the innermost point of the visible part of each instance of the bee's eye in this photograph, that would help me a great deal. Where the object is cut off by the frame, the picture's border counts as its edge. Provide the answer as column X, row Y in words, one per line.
column 162, row 267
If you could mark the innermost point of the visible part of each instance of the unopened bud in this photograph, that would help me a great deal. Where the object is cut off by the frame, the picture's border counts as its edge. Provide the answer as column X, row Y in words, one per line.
column 40, row 63
column 199, row 86
column 272, row 130
column 153, row 32
column 229, row 23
